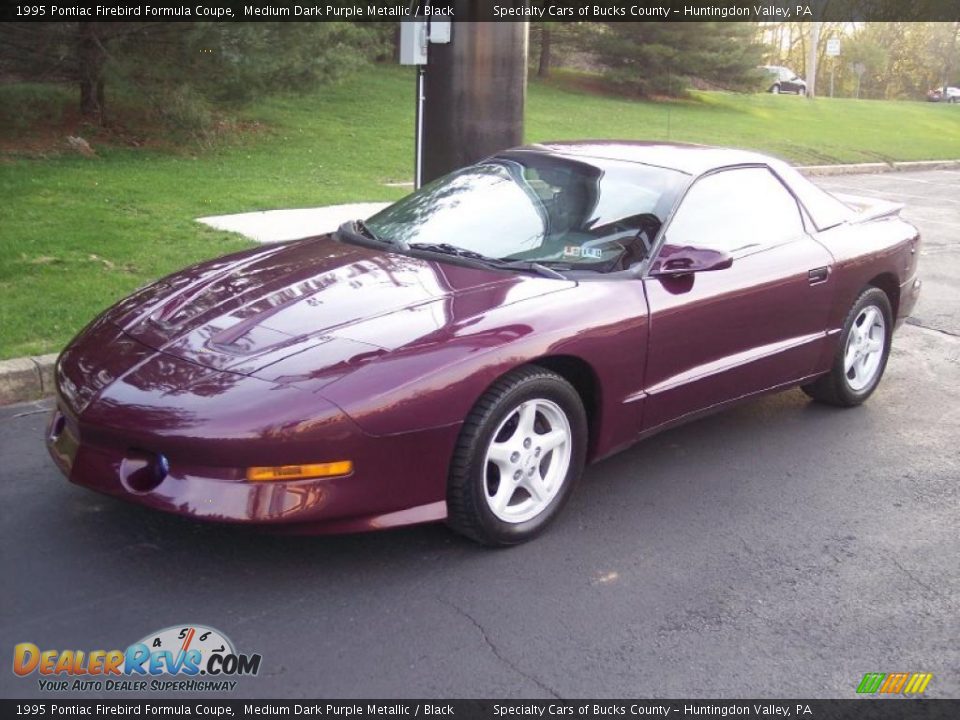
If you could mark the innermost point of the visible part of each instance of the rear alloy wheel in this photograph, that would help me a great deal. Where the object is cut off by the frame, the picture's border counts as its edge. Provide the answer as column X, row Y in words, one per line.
column 861, row 355
column 775, row 89
column 519, row 454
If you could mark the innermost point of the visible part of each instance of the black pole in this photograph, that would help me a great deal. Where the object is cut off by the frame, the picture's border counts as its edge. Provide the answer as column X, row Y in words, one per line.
column 475, row 88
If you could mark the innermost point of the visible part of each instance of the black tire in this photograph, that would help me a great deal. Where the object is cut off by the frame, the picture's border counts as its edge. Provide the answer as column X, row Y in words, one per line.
column 468, row 511
column 775, row 88
column 834, row 388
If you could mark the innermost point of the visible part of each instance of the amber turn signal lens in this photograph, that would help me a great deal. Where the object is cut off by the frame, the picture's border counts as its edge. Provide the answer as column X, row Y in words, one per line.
column 299, row 472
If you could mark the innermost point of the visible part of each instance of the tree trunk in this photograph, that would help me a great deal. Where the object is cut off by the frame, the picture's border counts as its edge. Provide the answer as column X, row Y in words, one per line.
column 812, row 60
column 543, row 69
column 951, row 52
column 90, row 60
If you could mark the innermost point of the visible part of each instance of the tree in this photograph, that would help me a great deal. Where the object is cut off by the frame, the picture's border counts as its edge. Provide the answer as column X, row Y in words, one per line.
column 901, row 59
column 659, row 58
column 189, row 61
column 543, row 68
column 551, row 41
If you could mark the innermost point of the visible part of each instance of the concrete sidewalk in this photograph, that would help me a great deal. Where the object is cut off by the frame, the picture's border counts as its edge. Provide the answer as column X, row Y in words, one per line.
column 270, row 226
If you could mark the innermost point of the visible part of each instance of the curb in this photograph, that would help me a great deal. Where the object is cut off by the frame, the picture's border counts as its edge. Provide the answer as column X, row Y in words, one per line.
column 31, row 378
column 871, row 168
column 26, row 378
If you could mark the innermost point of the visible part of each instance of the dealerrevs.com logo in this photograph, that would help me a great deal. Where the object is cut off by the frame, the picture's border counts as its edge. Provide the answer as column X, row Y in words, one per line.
column 187, row 658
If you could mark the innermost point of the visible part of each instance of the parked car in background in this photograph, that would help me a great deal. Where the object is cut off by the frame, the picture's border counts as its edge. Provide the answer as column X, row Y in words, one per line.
column 785, row 80
column 944, row 94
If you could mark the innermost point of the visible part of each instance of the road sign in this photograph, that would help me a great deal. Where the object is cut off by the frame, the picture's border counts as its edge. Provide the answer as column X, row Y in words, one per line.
column 833, row 47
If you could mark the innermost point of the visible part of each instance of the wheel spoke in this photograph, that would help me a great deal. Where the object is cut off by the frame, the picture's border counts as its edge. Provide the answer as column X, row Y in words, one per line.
column 504, row 493
column 533, row 484
column 550, row 440
column 853, row 373
column 528, row 415
column 499, row 453
column 874, row 345
column 849, row 357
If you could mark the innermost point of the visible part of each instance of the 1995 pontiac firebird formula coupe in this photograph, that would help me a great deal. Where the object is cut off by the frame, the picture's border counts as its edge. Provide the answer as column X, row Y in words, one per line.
column 463, row 353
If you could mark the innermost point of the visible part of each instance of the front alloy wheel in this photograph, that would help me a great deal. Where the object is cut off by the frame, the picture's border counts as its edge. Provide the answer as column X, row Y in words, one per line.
column 527, row 460
column 520, row 452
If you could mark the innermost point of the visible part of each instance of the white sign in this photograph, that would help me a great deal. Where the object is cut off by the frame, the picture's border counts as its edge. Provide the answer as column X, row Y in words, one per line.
column 833, row 47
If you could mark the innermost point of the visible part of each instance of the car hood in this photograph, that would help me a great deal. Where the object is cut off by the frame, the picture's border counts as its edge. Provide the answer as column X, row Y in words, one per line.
column 349, row 304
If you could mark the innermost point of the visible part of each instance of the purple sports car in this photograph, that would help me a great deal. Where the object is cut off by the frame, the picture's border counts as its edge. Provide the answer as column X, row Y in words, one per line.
column 462, row 354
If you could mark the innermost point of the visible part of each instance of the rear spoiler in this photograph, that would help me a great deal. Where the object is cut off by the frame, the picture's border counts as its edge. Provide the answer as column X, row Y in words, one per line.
column 866, row 209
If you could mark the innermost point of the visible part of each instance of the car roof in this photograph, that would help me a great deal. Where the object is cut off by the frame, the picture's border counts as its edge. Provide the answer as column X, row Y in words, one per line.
column 686, row 158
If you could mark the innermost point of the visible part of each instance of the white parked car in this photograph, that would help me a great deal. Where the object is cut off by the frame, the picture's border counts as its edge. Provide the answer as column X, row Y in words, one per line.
column 944, row 94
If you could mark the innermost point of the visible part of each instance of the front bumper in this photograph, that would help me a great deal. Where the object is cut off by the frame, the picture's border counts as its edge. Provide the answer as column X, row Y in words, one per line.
column 386, row 489
column 160, row 431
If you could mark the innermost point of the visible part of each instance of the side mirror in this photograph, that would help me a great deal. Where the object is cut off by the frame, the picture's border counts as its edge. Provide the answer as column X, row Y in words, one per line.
column 674, row 261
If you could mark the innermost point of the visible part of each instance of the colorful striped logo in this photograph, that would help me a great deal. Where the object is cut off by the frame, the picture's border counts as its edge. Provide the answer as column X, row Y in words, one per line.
column 894, row 683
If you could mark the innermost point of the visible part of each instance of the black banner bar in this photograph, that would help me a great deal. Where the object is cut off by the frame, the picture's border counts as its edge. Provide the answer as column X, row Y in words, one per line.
column 492, row 10
column 854, row 709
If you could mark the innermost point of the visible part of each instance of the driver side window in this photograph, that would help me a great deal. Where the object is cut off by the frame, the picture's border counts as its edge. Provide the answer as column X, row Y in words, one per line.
column 736, row 211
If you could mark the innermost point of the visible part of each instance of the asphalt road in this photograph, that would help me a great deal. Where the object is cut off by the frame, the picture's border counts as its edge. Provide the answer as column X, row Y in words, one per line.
column 778, row 549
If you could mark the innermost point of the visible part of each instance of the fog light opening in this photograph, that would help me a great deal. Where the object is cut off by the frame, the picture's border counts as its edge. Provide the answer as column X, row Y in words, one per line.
column 141, row 472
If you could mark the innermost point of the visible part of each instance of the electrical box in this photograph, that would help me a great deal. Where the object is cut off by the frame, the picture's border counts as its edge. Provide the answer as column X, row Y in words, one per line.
column 440, row 31
column 413, row 42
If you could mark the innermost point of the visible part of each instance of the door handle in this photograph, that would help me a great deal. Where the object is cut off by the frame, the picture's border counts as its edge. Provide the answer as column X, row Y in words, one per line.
column 818, row 275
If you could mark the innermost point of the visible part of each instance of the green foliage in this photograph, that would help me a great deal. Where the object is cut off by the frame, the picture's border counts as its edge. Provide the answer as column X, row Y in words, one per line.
column 660, row 58
column 24, row 105
column 900, row 59
column 237, row 62
column 180, row 70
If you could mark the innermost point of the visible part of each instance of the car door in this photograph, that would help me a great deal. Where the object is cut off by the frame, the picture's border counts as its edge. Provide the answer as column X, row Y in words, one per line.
column 788, row 81
column 722, row 334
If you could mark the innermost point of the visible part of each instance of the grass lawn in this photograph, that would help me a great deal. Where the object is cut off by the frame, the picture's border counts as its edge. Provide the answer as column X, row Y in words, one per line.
column 78, row 233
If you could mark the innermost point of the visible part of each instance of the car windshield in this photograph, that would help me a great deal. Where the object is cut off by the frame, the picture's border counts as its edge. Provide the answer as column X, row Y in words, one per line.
column 598, row 215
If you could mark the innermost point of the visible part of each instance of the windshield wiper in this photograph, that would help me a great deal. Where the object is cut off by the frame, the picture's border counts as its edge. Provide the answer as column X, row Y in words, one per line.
column 448, row 249
column 536, row 267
